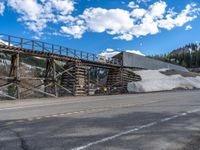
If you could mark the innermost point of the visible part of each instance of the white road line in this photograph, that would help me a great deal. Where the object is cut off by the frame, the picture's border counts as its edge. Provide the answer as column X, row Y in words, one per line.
column 9, row 123
column 134, row 130
column 62, row 102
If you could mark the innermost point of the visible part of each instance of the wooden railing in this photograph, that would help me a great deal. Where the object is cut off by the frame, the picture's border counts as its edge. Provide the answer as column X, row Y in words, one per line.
column 35, row 45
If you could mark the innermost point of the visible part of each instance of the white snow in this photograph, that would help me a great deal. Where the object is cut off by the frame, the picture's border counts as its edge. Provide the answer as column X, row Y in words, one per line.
column 4, row 62
column 153, row 80
column 3, row 42
column 109, row 52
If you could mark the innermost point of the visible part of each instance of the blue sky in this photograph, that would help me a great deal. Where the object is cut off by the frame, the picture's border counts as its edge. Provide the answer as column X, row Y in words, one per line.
column 149, row 26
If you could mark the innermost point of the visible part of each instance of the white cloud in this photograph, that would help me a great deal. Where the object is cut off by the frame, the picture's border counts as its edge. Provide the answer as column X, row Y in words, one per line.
column 135, row 23
column 75, row 30
column 138, row 13
column 132, row 5
column 157, row 9
column 111, row 21
column 142, row 1
column 173, row 19
column 2, row 8
column 109, row 52
column 35, row 14
column 120, row 23
column 127, row 37
column 63, row 6
column 188, row 27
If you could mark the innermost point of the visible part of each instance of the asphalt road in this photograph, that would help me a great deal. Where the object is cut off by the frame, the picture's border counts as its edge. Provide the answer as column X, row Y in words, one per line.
column 154, row 121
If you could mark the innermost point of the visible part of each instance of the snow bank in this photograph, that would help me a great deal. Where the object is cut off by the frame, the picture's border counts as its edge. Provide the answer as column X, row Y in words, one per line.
column 4, row 62
column 109, row 53
column 153, row 80
column 3, row 42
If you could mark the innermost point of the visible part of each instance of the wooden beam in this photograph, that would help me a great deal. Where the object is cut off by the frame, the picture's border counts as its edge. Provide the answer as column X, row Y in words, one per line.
column 40, row 91
column 6, row 85
column 6, row 78
column 64, row 88
column 6, row 95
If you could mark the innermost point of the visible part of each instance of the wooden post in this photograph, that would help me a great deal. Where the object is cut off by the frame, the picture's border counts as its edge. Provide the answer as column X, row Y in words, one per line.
column 54, row 78
column 46, row 75
column 18, row 75
column 15, row 72
column 88, row 71
column 51, row 73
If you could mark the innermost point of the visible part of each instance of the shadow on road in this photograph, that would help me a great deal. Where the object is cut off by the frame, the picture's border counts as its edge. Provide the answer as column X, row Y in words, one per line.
column 63, row 133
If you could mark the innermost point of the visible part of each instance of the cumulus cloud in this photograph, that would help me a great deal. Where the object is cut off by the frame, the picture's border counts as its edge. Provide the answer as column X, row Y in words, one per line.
column 142, row 1
column 138, row 13
column 132, row 5
column 109, row 52
column 173, row 19
column 135, row 23
column 2, row 7
column 36, row 14
column 76, row 30
column 188, row 27
column 121, row 24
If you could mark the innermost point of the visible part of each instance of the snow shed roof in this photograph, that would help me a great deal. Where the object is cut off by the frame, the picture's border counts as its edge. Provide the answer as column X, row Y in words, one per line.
column 138, row 61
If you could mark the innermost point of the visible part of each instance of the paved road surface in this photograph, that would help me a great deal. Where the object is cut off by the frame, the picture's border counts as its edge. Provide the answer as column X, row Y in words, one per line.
column 154, row 121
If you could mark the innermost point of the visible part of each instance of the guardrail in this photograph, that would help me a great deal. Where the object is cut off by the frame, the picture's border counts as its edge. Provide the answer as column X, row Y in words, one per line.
column 35, row 45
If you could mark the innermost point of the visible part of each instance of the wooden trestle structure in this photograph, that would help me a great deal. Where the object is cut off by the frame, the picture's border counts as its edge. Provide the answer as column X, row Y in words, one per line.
column 71, row 78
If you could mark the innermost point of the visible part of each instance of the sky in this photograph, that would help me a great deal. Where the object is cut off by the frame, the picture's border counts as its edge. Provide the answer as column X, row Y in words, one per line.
column 147, row 27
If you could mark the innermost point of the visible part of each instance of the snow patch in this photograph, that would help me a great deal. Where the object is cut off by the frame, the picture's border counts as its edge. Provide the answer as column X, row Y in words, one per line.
column 3, row 42
column 153, row 80
column 4, row 62
column 109, row 53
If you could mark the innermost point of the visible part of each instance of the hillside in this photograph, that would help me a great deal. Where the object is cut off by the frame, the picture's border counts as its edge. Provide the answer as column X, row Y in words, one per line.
column 187, row 56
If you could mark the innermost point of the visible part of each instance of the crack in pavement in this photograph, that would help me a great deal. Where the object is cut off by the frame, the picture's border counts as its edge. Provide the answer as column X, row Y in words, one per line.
column 23, row 143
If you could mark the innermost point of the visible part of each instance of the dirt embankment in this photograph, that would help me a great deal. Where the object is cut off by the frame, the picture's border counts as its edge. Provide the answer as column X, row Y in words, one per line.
column 184, row 74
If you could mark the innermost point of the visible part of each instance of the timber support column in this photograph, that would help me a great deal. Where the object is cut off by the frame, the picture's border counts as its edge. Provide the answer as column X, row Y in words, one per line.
column 75, row 80
column 50, row 81
column 88, row 82
column 55, row 79
column 18, row 75
column 15, row 72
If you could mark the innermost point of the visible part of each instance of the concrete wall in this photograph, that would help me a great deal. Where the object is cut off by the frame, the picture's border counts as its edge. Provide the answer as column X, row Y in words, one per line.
column 134, row 60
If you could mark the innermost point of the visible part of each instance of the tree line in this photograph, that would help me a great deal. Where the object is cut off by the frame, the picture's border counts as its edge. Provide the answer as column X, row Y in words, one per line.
column 187, row 56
